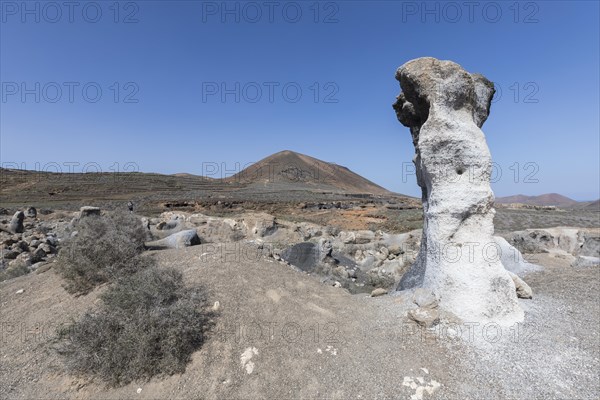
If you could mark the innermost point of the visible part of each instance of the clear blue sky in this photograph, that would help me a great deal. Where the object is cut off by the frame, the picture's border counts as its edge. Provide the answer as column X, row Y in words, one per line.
column 544, row 56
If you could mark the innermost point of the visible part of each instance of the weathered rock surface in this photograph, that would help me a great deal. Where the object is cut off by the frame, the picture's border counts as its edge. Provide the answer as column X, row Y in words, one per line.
column 177, row 240
column 511, row 257
column 444, row 106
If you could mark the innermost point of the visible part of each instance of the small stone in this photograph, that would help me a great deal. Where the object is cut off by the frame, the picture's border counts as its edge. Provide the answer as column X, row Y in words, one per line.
column 20, row 291
column 379, row 292
column 337, row 284
column 216, row 306
column 425, row 317
column 139, row 390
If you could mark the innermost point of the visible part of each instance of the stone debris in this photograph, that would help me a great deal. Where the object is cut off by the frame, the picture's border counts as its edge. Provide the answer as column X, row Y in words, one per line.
column 246, row 358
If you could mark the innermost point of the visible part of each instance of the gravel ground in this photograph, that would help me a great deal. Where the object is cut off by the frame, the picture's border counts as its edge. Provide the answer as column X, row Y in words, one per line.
column 282, row 334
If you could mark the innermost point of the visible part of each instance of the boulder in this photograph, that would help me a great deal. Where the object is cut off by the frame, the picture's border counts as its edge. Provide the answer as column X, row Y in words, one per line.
column 88, row 211
column 16, row 222
column 177, row 240
column 31, row 212
column 591, row 244
column 259, row 225
column 586, row 262
column 445, row 107
column 305, row 256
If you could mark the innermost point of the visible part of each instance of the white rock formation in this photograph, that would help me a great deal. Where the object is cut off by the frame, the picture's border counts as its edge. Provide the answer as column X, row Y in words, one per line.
column 444, row 106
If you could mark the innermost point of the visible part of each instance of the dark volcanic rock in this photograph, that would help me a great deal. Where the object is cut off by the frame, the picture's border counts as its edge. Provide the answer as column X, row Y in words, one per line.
column 302, row 255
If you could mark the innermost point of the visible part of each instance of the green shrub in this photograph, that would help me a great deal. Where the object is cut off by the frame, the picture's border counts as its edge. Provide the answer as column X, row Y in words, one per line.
column 148, row 324
column 104, row 248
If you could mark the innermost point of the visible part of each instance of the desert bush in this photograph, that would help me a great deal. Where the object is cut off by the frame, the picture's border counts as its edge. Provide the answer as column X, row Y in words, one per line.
column 13, row 272
column 148, row 324
column 103, row 249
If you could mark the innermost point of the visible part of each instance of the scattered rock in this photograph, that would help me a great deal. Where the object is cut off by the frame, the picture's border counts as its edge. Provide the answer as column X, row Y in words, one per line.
column 20, row 291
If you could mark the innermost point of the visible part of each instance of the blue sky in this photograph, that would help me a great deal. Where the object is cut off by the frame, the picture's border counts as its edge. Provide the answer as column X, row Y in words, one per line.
column 325, row 71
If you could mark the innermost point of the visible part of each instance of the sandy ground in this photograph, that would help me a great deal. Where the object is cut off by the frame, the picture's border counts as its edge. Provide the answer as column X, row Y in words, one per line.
column 282, row 334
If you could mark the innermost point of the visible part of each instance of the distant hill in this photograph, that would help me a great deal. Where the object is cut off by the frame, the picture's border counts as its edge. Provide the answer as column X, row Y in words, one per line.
column 548, row 199
column 284, row 176
column 592, row 205
column 301, row 172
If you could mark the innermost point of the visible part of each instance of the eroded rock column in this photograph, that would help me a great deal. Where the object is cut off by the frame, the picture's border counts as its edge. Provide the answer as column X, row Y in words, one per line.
column 444, row 106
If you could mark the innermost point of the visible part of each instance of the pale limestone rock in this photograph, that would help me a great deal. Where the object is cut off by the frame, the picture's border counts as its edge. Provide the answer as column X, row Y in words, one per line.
column 445, row 106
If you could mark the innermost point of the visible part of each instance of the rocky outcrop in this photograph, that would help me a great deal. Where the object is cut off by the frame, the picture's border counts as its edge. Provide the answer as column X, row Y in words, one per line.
column 568, row 240
column 445, row 106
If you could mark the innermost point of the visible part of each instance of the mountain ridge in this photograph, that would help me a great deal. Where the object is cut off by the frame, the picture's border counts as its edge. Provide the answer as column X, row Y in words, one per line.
column 546, row 199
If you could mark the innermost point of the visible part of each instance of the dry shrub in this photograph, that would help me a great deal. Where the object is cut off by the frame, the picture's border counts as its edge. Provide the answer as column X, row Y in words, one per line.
column 148, row 324
column 104, row 248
